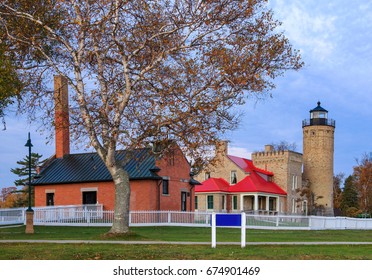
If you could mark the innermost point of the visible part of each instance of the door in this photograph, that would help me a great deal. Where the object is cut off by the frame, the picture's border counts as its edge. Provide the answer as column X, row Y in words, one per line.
column 50, row 199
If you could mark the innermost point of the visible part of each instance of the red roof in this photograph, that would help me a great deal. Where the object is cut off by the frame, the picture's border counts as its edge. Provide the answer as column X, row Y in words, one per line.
column 213, row 185
column 247, row 165
column 254, row 183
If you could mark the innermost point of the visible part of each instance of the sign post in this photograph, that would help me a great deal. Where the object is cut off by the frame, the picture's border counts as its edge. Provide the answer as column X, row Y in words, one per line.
column 228, row 220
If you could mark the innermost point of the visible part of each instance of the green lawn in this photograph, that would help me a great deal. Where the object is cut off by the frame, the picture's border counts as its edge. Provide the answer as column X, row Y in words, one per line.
column 11, row 251
column 187, row 234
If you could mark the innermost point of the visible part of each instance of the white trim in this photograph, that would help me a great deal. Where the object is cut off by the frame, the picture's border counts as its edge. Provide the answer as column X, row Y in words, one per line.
column 89, row 190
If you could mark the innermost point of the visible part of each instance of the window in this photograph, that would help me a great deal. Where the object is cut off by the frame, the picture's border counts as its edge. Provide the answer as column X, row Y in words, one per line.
column 294, row 208
column 165, row 186
column 90, row 197
column 304, row 207
column 196, row 202
column 235, row 202
column 183, row 201
column 50, row 199
column 207, row 175
column 233, row 177
column 210, row 202
column 294, row 182
column 171, row 158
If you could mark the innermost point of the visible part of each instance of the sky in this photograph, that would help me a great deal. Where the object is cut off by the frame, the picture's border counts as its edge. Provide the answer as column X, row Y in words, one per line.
column 335, row 40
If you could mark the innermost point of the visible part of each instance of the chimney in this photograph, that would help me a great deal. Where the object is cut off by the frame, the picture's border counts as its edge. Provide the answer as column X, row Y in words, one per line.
column 269, row 148
column 222, row 148
column 62, row 123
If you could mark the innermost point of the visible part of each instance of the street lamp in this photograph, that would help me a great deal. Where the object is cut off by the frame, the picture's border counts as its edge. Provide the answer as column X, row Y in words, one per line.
column 29, row 211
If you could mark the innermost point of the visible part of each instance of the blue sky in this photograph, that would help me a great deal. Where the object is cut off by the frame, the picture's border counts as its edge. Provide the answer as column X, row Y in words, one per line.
column 335, row 39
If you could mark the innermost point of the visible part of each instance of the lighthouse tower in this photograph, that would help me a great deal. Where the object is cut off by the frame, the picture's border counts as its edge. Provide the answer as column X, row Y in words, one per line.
column 318, row 150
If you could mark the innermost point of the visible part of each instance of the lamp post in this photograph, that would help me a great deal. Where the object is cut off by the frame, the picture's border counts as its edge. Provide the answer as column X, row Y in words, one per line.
column 29, row 211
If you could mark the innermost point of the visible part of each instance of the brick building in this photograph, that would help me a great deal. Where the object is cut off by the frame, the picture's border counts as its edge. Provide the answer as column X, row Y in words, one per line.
column 73, row 179
column 236, row 184
column 287, row 169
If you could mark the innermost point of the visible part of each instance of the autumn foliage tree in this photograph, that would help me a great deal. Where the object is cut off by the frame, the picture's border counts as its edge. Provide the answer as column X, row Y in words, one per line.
column 10, row 85
column 144, row 72
column 337, row 191
column 363, row 182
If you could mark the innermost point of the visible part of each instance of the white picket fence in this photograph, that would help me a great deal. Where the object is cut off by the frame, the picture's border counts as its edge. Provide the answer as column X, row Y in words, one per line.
column 12, row 216
column 94, row 215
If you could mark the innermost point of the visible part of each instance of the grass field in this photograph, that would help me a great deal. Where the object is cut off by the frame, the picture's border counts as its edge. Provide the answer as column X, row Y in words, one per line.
column 11, row 251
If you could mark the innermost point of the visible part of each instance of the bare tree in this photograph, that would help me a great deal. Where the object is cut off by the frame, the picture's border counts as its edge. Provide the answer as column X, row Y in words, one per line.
column 284, row 146
column 146, row 72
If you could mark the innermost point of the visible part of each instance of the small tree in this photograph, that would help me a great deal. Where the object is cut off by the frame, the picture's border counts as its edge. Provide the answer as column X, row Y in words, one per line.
column 349, row 196
column 23, row 173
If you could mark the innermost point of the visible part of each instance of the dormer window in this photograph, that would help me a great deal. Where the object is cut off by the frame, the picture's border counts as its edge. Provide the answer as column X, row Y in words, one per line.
column 233, row 177
column 207, row 175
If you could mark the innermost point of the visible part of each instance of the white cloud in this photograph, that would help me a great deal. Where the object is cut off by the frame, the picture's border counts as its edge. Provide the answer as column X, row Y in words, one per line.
column 311, row 32
column 239, row 152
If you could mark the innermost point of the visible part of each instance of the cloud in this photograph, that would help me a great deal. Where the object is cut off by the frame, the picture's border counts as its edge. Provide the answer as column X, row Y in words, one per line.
column 239, row 152
column 311, row 32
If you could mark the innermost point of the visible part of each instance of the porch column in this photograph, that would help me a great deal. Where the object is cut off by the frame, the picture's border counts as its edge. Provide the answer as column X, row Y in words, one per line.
column 241, row 202
column 278, row 204
column 255, row 206
column 267, row 203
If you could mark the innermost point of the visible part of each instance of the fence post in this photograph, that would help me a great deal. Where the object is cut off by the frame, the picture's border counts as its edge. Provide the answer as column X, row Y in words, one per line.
column 24, row 215
column 243, row 229
column 169, row 217
column 213, row 230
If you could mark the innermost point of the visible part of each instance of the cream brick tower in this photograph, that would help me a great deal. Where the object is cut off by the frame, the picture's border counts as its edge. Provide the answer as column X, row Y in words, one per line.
column 318, row 150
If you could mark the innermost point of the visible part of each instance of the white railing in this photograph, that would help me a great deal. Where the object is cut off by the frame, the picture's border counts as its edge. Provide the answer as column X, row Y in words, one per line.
column 68, row 214
column 12, row 216
column 319, row 223
column 278, row 222
column 175, row 218
column 94, row 215
column 57, row 214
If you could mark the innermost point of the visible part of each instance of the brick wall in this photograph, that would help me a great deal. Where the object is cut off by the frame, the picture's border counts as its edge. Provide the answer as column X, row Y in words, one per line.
column 145, row 194
column 318, row 143
column 284, row 165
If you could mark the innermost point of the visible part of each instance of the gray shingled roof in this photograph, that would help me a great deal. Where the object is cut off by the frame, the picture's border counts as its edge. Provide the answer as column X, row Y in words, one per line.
column 88, row 167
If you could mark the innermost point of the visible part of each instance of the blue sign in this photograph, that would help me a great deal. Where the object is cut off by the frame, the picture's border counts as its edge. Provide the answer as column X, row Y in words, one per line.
column 228, row 220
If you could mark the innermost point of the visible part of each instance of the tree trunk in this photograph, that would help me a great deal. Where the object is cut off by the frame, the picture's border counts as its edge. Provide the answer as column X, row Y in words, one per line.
column 122, row 199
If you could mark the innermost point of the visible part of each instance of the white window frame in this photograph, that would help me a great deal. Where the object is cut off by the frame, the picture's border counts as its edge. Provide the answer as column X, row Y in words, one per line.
column 231, row 177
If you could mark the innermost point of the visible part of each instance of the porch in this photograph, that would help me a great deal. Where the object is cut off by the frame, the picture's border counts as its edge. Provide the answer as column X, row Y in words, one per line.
column 260, row 204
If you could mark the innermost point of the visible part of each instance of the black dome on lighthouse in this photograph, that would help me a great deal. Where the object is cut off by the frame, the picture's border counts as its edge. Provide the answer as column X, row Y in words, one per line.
column 318, row 109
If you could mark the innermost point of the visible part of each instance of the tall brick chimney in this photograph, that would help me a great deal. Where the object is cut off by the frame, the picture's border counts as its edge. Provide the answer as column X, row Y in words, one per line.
column 62, row 122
